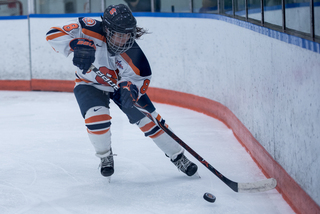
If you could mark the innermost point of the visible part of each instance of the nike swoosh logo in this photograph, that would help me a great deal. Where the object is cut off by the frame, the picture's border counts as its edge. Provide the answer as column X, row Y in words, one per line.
column 98, row 45
column 96, row 109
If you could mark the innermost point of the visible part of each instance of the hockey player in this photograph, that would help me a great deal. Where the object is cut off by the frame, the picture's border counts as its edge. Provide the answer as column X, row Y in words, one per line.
column 110, row 46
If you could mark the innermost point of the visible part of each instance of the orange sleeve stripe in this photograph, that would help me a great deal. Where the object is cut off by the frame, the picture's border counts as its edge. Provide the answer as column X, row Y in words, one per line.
column 97, row 118
column 57, row 28
column 98, row 132
column 148, row 126
column 94, row 35
column 82, row 80
column 56, row 35
column 160, row 132
column 129, row 61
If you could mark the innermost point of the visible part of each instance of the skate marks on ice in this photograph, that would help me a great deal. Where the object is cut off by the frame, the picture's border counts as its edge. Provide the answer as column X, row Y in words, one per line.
column 48, row 164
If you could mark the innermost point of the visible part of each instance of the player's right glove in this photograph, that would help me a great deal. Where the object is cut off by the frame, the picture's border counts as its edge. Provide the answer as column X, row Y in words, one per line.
column 84, row 53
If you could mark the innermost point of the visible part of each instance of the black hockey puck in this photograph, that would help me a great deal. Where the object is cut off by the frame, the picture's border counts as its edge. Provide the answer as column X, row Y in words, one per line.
column 209, row 197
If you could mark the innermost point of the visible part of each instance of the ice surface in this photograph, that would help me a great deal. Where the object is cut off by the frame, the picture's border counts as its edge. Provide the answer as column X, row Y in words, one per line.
column 48, row 164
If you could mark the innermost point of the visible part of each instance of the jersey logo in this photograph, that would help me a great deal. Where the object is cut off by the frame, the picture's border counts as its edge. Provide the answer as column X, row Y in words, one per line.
column 89, row 21
column 118, row 63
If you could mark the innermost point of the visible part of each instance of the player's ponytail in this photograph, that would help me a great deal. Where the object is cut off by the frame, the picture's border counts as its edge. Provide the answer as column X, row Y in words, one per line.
column 140, row 31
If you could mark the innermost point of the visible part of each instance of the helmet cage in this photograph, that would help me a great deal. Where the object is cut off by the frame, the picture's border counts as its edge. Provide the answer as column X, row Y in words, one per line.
column 119, row 43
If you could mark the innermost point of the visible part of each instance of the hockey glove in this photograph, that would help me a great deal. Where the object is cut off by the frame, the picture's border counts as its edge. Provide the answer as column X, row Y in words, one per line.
column 84, row 53
column 128, row 94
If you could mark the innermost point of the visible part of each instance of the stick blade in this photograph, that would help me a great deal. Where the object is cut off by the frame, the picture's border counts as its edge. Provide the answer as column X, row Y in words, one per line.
column 259, row 186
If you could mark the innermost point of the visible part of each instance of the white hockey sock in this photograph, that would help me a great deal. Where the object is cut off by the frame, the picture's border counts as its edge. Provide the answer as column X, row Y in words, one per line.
column 161, row 139
column 97, row 120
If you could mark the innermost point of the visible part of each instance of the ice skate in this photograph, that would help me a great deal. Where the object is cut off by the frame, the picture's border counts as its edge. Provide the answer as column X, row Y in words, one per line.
column 107, row 165
column 185, row 165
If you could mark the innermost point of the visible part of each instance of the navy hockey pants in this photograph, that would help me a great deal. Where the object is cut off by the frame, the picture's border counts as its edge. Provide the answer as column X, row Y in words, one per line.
column 88, row 96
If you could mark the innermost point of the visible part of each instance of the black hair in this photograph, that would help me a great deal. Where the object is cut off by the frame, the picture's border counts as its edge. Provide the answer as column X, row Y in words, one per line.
column 140, row 32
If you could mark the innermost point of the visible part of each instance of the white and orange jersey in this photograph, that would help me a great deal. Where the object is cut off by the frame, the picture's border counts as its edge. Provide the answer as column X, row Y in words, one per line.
column 130, row 66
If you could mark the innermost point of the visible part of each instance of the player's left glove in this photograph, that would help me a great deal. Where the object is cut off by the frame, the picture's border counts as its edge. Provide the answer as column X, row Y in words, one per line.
column 84, row 53
column 128, row 94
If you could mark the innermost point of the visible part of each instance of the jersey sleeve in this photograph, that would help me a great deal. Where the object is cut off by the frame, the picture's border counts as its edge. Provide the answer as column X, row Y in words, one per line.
column 60, row 36
column 134, row 66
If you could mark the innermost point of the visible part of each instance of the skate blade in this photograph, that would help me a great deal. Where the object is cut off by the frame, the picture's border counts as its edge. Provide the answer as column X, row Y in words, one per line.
column 195, row 175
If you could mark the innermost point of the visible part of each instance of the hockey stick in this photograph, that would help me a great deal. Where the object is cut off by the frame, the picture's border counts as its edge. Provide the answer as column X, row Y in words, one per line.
column 259, row 186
